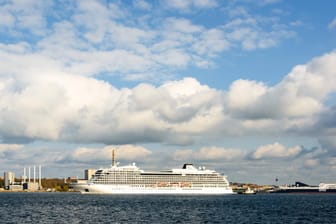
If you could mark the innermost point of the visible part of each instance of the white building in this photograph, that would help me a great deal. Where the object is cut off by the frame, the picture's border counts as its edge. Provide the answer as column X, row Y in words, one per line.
column 89, row 173
column 9, row 178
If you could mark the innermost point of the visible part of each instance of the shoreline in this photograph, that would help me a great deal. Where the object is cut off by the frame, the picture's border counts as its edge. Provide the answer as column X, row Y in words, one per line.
column 2, row 190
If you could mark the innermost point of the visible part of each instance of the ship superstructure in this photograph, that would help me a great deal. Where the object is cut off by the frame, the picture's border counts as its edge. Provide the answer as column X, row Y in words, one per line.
column 132, row 180
column 327, row 187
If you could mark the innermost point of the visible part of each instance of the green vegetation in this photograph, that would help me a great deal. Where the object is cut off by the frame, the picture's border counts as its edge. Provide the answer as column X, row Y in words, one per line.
column 55, row 184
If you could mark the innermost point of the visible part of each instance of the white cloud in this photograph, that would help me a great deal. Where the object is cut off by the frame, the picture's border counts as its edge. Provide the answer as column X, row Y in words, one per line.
column 44, row 83
column 123, row 152
column 142, row 4
column 187, row 5
column 205, row 3
column 209, row 154
column 40, row 99
column 9, row 147
column 244, row 93
column 90, row 47
column 250, row 32
column 332, row 24
column 211, row 43
column 6, row 149
column 7, row 19
column 46, row 103
column 104, row 14
column 125, row 50
column 116, row 43
column 311, row 163
column 173, row 57
column 217, row 153
column 53, row 52
column 182, row 25
column 299, row 95
column 183, row 155
column 183, row 5
column 28, row 15
column 276, row 150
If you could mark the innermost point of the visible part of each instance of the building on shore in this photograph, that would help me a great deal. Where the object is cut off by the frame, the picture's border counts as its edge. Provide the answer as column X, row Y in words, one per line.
column 9, row 180
column 30, row 184
column 89, row 173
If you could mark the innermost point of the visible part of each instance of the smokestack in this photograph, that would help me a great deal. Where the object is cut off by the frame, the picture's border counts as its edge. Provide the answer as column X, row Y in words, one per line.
column 24, row 174
column 34, row 174
column 29, row 174
column 40, row 176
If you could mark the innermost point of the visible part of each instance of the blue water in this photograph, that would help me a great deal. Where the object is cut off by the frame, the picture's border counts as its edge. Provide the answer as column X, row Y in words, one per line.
column 77, row 208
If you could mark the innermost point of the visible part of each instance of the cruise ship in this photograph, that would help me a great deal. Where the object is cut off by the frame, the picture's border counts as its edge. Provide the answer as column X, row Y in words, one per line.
column 132, row 180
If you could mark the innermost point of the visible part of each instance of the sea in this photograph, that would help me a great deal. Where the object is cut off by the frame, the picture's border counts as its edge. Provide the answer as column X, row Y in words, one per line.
column 78, row 208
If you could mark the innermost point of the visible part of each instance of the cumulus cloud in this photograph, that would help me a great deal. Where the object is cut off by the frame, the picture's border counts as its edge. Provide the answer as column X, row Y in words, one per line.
column 244, row 93
column 39, row 99
column 78, row 109
column 48, row 88
column 276, row 150
column 300, row 94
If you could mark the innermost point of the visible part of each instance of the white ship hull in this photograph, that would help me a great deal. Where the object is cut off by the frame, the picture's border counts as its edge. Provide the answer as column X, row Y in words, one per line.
column 126, row 189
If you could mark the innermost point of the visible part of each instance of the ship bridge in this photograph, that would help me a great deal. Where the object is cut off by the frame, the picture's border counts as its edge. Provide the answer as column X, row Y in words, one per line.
column 189, row 168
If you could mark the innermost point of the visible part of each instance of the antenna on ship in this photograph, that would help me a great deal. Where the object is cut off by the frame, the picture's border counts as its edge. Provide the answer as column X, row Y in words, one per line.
column 113, row 157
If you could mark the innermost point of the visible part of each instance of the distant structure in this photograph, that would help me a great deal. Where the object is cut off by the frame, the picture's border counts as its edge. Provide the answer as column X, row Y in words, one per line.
column 30, row 184
column 9, row 179
column 88, row 173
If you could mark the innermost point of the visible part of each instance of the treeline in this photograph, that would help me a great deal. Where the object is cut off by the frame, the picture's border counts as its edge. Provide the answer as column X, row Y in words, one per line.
column 55, row 184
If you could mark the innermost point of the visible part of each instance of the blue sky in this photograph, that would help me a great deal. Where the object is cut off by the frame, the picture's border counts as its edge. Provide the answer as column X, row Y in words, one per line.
column 243, row 87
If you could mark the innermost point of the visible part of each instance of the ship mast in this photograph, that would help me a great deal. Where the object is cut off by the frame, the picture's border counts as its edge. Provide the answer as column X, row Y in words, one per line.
column 113, row 157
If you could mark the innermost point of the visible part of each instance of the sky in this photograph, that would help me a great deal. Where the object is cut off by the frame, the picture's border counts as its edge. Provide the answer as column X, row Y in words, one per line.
column 247, row 88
